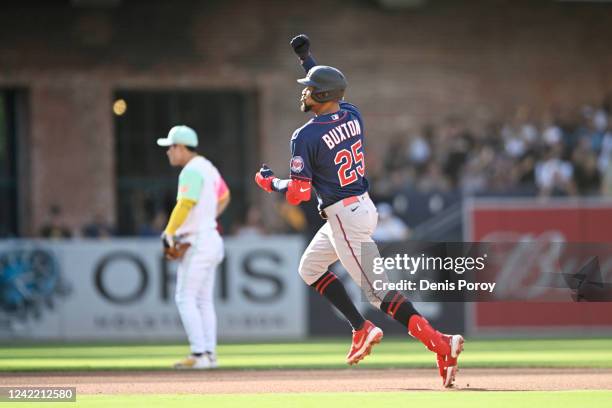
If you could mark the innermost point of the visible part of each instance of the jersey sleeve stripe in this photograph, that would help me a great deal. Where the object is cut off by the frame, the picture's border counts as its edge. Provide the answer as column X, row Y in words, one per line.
column 300, row 177
column 222, row 189
column 223, row 196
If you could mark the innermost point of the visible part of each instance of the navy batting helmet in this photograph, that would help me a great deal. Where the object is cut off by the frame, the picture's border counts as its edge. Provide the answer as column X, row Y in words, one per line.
column 328, row 82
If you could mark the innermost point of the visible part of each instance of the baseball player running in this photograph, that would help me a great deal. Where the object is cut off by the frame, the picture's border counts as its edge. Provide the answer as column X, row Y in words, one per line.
column 191, row 237
column 328, row 156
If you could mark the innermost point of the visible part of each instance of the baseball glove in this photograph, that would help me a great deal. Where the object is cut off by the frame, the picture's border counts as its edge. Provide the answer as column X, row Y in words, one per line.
column 176, row 251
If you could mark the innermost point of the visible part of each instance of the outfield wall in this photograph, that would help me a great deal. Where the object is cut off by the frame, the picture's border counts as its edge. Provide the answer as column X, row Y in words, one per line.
column 123, row 289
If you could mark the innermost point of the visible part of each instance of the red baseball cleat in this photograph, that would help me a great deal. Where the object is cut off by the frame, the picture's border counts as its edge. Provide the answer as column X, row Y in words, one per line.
column 363, row 340
column 447, row 363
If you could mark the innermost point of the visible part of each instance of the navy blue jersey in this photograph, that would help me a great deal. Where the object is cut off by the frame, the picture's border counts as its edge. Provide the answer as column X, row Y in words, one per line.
column 329, row 151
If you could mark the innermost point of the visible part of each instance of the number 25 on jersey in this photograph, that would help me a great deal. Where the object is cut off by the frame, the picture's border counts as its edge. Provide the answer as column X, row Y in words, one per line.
column 345, row 158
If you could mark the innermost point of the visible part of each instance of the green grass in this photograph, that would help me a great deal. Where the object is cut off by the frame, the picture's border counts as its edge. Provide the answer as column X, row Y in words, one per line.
column 455, row 399
column 392, row 352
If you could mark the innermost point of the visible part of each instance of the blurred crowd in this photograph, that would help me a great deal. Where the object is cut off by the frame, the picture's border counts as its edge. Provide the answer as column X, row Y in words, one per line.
column 55, row 227
column 553, row 156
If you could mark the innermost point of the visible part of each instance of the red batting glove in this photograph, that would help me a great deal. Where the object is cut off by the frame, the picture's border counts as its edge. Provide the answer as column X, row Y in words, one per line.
column 264, row 178
column 265, row 183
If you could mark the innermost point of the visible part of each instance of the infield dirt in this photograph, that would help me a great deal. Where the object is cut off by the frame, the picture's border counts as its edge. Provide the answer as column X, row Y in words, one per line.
column 290, row 381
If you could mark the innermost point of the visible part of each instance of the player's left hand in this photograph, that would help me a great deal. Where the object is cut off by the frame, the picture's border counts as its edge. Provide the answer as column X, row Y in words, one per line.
column 264, row 178
column 167, row 240
column 173, row 250
column 301, row 45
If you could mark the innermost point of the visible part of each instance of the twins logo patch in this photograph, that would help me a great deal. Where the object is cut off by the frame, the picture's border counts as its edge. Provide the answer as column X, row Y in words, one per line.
column 297, row 164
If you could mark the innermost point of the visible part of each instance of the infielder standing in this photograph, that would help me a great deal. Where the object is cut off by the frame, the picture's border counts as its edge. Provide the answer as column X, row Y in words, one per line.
column 202, row 196
column 328, row 155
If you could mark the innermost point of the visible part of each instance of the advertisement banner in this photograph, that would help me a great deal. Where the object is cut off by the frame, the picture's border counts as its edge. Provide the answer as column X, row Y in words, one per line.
column 536, row 228
column 123, row 289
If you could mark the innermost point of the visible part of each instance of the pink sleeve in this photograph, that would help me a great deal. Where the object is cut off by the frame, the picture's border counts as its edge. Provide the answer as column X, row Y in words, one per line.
column 222, row 189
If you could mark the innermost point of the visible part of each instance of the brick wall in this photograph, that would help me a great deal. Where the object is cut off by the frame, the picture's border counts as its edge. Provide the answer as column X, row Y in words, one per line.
column 477, row 59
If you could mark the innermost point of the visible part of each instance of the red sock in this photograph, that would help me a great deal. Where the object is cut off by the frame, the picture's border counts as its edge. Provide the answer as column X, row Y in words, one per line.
column 419, row 328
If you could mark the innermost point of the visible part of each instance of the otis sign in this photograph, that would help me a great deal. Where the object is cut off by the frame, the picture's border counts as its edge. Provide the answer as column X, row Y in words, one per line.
column 124, row 289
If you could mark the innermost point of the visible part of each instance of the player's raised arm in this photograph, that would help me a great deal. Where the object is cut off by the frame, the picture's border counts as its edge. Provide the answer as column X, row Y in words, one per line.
column 301, row 46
